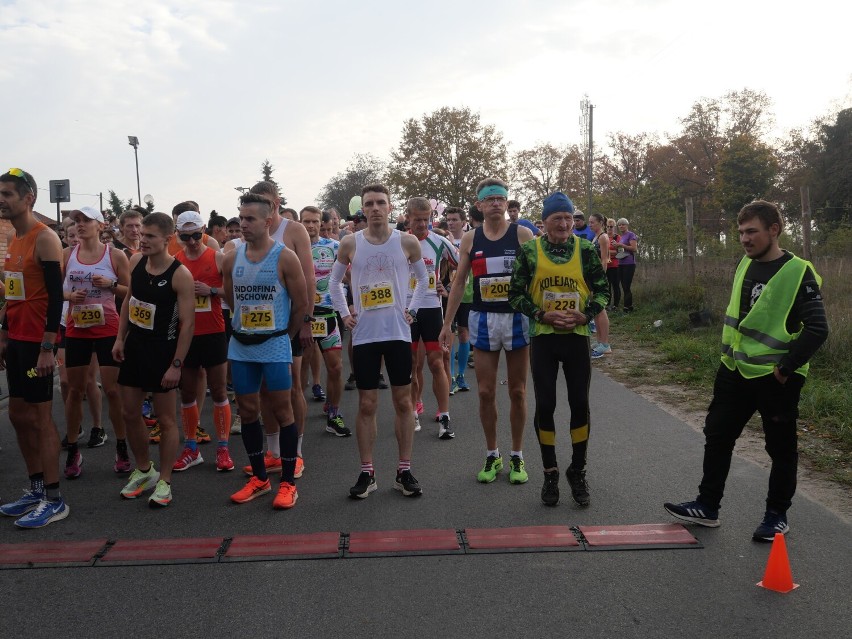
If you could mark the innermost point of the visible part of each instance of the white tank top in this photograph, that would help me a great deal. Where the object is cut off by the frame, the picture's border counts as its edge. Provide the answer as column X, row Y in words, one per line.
column 97, row 316
column 379, row 286
column 278, row 234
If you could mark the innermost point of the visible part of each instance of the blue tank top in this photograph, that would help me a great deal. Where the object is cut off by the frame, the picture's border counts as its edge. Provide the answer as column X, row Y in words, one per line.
column 261, row 307
column 491, row 266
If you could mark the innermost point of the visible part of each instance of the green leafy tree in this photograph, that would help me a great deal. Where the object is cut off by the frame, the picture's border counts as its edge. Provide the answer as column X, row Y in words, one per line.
column 745, row 171
column 266, row 170
column 445, row 154
column 363, row 169
column 116, row 205
column 535, row 174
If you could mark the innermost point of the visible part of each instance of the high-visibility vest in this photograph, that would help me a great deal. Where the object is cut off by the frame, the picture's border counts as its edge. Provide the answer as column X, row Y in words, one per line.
column 756, row 345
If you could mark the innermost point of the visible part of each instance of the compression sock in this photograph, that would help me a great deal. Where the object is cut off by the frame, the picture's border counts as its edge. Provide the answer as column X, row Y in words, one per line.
column 222, row 420
column 189, row 416
column 288, row 437
column 252, row 435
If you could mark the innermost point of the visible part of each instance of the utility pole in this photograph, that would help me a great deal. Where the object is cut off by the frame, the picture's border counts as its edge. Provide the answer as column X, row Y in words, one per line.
column 586, row 130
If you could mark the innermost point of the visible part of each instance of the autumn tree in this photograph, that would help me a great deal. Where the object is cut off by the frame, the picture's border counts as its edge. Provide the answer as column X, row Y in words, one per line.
column 445, row 154
column 535, row 174
column 363, row 169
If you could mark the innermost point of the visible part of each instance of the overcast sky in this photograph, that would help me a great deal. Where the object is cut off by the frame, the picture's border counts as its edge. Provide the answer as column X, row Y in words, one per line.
column 213, row 87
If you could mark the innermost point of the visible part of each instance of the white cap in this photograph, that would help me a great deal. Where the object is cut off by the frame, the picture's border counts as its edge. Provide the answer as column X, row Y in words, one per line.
column 89, row 212
column 189, row 219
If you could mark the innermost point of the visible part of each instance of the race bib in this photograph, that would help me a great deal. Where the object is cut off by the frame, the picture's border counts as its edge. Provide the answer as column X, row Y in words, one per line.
column 319, row 328
column 494, row 289
column 376, row 296
column 432, row 282
column 554, row 301
column 88, row 315
column 202, row 304
column 141, row 314
column 257, row 318
column 15, row 286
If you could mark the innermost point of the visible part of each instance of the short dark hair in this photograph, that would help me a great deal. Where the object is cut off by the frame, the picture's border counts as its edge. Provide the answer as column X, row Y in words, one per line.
column 131, row 213
column 265, row 187
column 163, row 222
column 23, row 185
column 513, row 204
column 766, row 212
column 216, row 220
column 232, row 221
column 475, row 214
column 418, row 204
column 312, row 210
column 183, row 207
column 454, row 210
column 256, row 198
column 375, row 188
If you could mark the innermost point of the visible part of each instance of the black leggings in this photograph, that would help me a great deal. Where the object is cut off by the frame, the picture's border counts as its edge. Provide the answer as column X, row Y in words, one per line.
column 547, row 352
column 614, row 290
column 625, row 276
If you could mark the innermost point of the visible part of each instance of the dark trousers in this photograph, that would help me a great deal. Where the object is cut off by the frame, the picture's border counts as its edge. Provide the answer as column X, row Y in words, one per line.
column 614, row 289
column 625, row 278
column 735, row 400
column 547, row 352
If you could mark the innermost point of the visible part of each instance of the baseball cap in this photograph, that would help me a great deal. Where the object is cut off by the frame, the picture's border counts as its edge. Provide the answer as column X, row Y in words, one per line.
column 89, row 212
column 189, row 219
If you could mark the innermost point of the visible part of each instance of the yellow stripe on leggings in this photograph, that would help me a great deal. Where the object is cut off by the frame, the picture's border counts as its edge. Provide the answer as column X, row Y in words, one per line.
column 547, row 437
column 580, row 434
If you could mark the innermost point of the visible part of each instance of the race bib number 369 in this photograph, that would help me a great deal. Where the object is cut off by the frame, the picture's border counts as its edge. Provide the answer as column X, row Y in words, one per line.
column 142, row 314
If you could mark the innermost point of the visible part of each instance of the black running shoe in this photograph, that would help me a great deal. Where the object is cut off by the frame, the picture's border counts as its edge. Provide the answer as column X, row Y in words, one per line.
column 363, row 487
column 97, row 437
column 773, row 523
column 579, row 486
column 445, row 431
column 407, row 485
column 382, row 383
column 350, row 383
column 65, row 439
column 550, row 489
column 694, row 512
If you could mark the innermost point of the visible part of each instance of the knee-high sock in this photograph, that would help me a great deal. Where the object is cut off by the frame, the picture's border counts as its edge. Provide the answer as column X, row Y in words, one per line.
column 453, row 366
column 222, row 420
column 464, row 354
column 288, row 436
column 189, row 417
column 253, row 441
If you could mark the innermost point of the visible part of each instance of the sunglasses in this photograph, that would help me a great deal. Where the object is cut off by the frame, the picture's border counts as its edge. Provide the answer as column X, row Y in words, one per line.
column 186, row 237
column 19, row 173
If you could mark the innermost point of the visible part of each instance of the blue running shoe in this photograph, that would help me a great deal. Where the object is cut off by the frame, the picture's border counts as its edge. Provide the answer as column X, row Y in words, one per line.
column 318, row 393
column 694, row 512
column 463, row 387
column 773, row 523
column 25, row 504
column 45, row 513
column 147, row 409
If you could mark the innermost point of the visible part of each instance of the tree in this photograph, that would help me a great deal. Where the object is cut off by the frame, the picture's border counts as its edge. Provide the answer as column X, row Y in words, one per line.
column 572, row 174
column 445, row 154
column 116, row 205
column 745, row 171
column 535, row 173
column 363, row 169
column 628, row 167
column 266, row 171
column 832, row 172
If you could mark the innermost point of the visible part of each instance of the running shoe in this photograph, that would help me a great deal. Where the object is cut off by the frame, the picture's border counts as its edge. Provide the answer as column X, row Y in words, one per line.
column 46, row 512
column 350, row 383
column 162, row 495
column 445, row 431
column 147, row 409
column 326, row 407
column 139, row 482
column 437, row 416
column 29, row 501
column 593, row 328
column 236, row 425
column 223, row 459
column 202, row 436
column 416, row 423
column 187, row 459
column 364, row 486
column 335, row 426
column 65, row 439
column 773, row 524
column 550, row 489
column 418, row 407
column 318, row 393
column 150, row 422
column 300, row 467
column 454, row 387
column 579, row 486
column 493, row 465
column 517, row 472
column 286, row 497
column 253, row 489
column 97, row 438
column 600, row 350
column 382, row 383
column 694, row 512
column 470, row 361
column 74, row 465
column 407, row 485
column 273, row 464
column 462, row 384
column 154, row 434
column 229, row 391
column 122, row 459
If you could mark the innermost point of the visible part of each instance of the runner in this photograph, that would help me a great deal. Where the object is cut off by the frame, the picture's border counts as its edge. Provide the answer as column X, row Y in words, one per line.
column 489, row 252
column 559, row 283
column 380, row 259
column 436, row 251
column 30, row 321
column 94, row 275
column 265, row 287
column 154, row 333
column 459, row 356
column 209, row 348
column 325, row 328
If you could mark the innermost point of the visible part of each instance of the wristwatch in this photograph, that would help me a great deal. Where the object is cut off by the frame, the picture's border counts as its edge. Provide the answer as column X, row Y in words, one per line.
column 177, row 363
column 413, row 313
column 308, row 319
column 213, row 291
column 539, row 315
column 785, row 372
column 114, row 284
column 46, row 346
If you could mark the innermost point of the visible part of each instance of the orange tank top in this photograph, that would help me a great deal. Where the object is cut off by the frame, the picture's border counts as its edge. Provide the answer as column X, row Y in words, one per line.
column 176, row 247
column 208, row 309
column 26, row 294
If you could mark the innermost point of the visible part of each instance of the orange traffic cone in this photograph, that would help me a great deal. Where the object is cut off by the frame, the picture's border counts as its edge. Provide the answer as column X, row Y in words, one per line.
column 778, row 576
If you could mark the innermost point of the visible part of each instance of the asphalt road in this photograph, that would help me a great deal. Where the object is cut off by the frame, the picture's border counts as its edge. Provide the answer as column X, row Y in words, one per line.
column 639, row 457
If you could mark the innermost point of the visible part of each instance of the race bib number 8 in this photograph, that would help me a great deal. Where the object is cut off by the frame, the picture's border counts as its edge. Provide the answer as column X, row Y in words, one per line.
column 142, row 314
column 202, row 304
column 15, row 286
column 88, row 315
column 554, row 301
column 375, row 296
column 494, row 289
column 432, row 282
column 257, row 318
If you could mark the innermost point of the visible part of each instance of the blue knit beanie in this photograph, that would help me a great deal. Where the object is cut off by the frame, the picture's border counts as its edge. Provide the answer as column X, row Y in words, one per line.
column 557, row 202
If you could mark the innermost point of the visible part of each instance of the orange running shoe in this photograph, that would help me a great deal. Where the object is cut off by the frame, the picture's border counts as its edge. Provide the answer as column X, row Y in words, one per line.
column 286, row 497
column 254, row 488
column 223, row 459
column 202, row 436
column 273, row 465
column 300, row 467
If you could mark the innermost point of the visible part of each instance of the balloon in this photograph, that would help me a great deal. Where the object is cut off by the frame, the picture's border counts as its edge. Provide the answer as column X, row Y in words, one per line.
column 440, row 208
column 434, row 203
column 354, row 204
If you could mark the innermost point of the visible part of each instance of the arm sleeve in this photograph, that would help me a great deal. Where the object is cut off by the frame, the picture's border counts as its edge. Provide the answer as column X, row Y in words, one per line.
column 335, row 287
column 53, row 284
column 519, row 285
column 808, row 312
column 419, row 269
column 596, row 281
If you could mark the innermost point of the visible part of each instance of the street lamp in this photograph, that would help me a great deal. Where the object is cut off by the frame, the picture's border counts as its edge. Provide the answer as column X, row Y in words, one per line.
column 134, row 142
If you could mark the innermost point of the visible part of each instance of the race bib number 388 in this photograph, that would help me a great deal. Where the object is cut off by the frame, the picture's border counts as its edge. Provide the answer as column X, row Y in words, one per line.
column 375, row 296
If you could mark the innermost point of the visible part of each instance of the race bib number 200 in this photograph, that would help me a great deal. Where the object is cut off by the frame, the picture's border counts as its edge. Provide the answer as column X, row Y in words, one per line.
column 494, row 289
